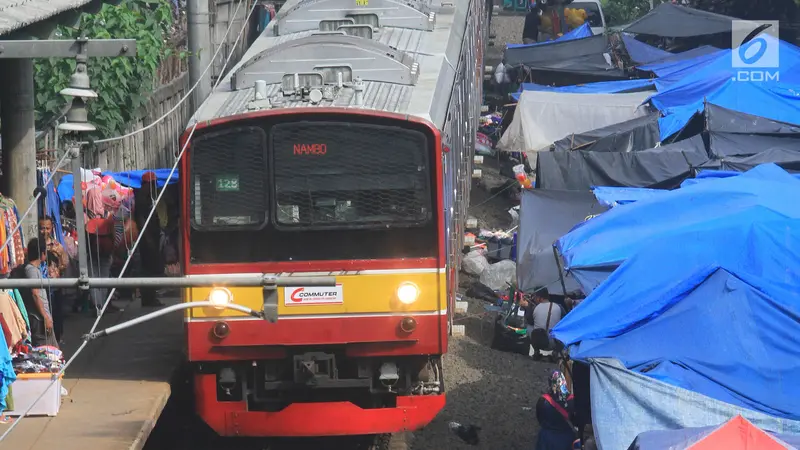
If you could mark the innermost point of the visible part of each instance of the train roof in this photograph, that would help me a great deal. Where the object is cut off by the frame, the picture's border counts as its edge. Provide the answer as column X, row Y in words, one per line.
column 389, row 55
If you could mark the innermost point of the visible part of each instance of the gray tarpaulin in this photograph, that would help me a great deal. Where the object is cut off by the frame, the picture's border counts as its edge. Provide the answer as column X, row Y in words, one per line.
column 724, row 145
column 726, row 120
column 635, row 134
column 544, row 217
column 542, row 118
column 664, row 167
column 739, row 141
column 625, row 404
column 556, row 51
column 787, row 159
column 668, row 20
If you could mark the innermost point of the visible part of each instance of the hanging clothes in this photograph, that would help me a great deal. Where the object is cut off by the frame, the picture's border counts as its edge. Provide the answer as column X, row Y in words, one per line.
column 19, row 238
column 13, row 319
column 13, row 254
column 51, row 205
column 7, row 374
column 4, row 259
column 94, row 204
column 17, row 297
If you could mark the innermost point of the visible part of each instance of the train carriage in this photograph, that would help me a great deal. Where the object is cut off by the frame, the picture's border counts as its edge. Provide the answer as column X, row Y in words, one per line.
column 341, row 144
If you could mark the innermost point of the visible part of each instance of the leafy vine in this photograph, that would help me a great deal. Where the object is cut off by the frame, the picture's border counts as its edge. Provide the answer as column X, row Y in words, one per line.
column 123, row 83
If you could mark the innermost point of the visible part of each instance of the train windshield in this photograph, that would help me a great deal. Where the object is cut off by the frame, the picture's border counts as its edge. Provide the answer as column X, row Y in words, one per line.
column 308, row 190
column 331, row 175
column 229, row 180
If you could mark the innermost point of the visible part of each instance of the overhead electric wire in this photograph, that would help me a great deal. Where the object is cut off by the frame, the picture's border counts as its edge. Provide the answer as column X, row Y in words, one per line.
column 188, row 93
column 85, row 342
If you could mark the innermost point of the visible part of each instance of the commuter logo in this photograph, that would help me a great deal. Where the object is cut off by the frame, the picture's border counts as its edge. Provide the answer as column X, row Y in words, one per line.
column 755, row 50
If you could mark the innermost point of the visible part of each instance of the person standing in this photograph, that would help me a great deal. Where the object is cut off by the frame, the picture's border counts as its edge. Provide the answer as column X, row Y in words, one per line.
column 57, row 269
column 152, row 262
column 554, row 411
column 35, row 299
column 100, row 239
column 530, row 31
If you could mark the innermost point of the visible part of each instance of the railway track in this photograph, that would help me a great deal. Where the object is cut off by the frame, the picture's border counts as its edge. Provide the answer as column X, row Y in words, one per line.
column 179, row 428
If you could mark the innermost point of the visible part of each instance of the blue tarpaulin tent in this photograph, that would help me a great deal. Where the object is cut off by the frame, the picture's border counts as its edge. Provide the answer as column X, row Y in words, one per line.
column 643, row 403
column 132, row 179
column 678, row 61
column 642, row 53
column 776, row 101
column 714, row 312
column 578, row 33
column 614, row 196
column 592, row 250
column 684, row 86
column 601, row 87
column 704, row 299
column 708, row 174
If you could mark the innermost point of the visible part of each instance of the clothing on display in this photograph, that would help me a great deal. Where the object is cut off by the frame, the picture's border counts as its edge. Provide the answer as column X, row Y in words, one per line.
column 14, row 253
column 44, row 359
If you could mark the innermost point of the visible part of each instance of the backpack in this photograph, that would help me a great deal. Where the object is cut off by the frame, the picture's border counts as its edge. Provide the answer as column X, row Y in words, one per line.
column 100, row 236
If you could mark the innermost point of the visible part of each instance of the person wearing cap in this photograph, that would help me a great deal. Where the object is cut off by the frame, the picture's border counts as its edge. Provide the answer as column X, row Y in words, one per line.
column 149, row 247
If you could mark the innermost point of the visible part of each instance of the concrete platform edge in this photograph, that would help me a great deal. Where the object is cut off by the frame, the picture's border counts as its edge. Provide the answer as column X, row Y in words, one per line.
column 148, row 425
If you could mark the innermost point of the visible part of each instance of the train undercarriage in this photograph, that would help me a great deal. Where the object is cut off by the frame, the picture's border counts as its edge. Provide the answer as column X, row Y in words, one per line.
column 320, row 392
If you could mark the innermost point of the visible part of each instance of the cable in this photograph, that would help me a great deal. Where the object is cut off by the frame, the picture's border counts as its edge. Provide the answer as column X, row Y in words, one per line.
column 172, row 171
column 186, row 96
column 510, row 185
column 57, row 376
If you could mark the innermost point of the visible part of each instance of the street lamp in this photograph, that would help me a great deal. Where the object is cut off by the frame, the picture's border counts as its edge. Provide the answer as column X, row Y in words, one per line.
column 78, row 122
column 79, row 88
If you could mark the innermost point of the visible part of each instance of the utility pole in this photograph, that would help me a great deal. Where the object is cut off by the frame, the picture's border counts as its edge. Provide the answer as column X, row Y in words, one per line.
column 17, row 111
column 199, row 35
column 77, row 123
column 18, row 135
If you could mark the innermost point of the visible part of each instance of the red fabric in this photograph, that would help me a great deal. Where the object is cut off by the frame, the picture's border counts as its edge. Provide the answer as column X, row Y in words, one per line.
column 737, row 434
column 557, row 406
column 556, row 21
column 101, row 234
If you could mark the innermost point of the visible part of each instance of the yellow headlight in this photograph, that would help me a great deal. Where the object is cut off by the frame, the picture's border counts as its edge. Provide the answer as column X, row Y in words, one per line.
column 408, row 293
column 220, row 296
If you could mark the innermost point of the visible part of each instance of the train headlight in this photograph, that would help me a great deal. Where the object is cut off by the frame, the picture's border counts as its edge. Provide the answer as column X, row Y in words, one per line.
column 408, row 293
column 221, row 297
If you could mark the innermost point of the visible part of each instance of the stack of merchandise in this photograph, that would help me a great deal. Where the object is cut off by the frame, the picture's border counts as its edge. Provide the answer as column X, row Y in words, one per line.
column 43, row 359
column 113, row 194
column 500, row 244
column 574, row 17
column 489, row 129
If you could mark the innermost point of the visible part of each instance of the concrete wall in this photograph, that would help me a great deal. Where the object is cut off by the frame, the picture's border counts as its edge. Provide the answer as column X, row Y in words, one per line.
column 222, row 12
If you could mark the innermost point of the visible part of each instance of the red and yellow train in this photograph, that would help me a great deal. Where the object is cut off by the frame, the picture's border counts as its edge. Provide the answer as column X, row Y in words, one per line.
column 341, row 145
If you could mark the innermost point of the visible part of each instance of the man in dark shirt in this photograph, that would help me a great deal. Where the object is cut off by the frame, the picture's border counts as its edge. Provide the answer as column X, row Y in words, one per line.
column 530, row 31
column 149, row 247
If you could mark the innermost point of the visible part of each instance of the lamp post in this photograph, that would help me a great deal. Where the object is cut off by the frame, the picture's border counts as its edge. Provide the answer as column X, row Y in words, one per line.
column 77, row 122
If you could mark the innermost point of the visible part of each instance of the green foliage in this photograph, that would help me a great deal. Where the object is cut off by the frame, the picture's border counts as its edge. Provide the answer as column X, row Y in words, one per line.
column 783, row 10
column 122, row 84
column 622, row 12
